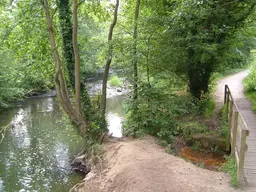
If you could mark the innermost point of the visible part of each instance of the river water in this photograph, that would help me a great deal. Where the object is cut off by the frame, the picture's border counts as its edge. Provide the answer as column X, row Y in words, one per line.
column 36, row 152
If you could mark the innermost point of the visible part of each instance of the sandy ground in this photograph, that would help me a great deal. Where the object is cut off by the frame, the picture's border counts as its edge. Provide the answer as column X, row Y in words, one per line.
column 144, row 166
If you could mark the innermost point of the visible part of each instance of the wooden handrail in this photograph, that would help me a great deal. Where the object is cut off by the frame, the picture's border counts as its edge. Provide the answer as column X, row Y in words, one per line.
column 237, row 133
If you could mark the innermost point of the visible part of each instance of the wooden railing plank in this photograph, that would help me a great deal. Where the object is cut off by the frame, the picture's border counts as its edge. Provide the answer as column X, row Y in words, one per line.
column 234, row 133
column 237, row 133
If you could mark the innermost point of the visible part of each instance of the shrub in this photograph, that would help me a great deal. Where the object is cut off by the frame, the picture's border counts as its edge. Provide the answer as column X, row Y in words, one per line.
column 250, row 88
column 207, row 106
column 224, row 122
column 188, row 129
column 115, row 82
column 157, row 114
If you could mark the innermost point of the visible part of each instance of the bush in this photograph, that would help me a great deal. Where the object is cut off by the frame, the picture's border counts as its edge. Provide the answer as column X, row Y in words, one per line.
column 158, row 114
column 250, row 88
column 224, row 122
column 188, row 129
column 207, row 106
column 115, row 82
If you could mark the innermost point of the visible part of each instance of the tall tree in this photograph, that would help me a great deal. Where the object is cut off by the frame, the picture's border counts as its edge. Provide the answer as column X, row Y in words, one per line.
column 66, row 27
column 74, row 114
column 66, row 33
column 109, row 59
column 135, row 56
column 77, row 60
column 199, row 36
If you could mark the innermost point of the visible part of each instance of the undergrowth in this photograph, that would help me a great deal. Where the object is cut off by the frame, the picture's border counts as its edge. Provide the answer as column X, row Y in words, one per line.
column 250, row 88
column 223, row 130
column 167, row 115
column 230, row 168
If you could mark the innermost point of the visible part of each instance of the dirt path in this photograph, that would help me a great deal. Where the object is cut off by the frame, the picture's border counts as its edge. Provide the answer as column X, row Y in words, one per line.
column 235, row 83
column 143, row 166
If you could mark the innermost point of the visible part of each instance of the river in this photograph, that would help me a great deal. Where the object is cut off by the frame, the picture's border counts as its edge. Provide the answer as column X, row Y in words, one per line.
column 36, row 152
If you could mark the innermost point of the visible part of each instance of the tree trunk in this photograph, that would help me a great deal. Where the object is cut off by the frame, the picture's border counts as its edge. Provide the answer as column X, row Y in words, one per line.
column 77, row 61
column 135, row 56
column 109, row 59
column 147, row 57
column 59, row 79
column 66, row 33
column 68, row 53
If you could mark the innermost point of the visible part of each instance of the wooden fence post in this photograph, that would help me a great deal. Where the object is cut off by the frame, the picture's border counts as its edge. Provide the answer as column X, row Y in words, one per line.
column 240, row 166
column 235, row 124
column 230, row 114
column 225, row 94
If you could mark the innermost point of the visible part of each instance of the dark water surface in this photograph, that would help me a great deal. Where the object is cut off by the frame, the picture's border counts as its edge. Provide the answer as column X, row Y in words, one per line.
column 36, row 152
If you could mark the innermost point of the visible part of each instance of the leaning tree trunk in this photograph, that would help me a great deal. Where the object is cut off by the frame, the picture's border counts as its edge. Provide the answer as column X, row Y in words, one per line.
column 59, row 80
column 66, row 33
column 109, row 60
column 68, row 53
column 135, row 56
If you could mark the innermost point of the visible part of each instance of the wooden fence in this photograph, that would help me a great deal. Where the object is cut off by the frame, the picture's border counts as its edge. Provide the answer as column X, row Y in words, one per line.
column 237, row 133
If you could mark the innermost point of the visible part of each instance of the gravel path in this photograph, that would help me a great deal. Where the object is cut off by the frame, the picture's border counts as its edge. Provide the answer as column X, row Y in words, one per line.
column 235, row 83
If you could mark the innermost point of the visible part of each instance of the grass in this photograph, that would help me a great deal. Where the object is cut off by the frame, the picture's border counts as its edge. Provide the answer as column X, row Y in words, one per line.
column 252, row 98
column 230, row 168
column 223, row 131
column 250, row 88
column 115, row 81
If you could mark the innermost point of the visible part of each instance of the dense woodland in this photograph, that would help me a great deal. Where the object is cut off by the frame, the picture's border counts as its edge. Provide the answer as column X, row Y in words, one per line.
column 170, row 51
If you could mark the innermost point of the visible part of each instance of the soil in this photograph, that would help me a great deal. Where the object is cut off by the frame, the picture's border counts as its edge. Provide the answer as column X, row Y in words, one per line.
column 144, row 166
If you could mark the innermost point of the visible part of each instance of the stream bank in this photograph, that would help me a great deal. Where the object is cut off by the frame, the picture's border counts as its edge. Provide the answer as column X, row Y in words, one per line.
column 38, row 149
column 143, row 166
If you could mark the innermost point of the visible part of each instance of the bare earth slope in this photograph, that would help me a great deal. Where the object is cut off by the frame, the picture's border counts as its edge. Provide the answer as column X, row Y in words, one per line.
column 143, row 166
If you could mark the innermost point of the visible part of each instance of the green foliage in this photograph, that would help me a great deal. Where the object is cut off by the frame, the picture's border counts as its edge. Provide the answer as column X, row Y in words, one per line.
column 115, row 81
column 158, row 114
column 187, row 129
column 196, row 146
column 250, row 87
column 230, row 168
column 207, row 106
column 201, row 39
column 10, row 87
column 224, row 122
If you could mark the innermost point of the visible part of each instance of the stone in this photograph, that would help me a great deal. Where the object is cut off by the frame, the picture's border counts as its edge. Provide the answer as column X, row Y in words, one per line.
column 210, row 141
column 79, row 164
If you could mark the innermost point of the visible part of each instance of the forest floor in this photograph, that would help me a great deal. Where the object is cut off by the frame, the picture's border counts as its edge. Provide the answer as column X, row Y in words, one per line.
column 143, row 166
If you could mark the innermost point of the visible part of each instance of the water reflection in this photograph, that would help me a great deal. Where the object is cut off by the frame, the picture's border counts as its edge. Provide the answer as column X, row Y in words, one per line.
column 36, row 152
column 115, row 124
column 115, row 114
